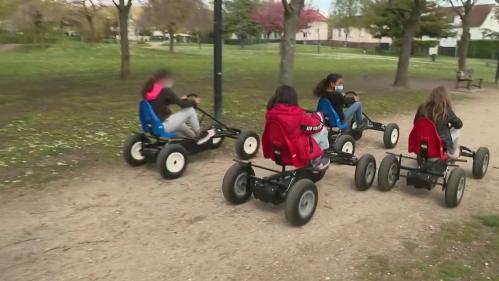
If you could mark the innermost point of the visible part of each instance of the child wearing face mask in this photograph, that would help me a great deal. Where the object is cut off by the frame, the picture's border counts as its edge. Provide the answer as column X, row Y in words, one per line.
column 332, row 88
column 158, row 92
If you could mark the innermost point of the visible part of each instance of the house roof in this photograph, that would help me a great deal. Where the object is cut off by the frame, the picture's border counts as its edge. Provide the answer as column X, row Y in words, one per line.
column 479, row 13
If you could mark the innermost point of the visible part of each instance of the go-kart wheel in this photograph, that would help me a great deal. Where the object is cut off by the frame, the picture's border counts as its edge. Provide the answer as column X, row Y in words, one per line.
column 132, row 150
column 388, row 173
column 391, row 135
column 172, row 161
column 481, row 162
column 301, row 202
column 455, row 186
column 235, row 186
column 345, row 144
column 365, row 172
column 216, row 142
column 247, row 145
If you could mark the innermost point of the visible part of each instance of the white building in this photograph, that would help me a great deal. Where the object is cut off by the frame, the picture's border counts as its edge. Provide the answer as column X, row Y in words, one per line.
column 318, row 31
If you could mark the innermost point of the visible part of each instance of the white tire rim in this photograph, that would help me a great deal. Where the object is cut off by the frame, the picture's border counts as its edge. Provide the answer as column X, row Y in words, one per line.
column 370, row 172
column 395, row 136
column 460, row 189
column 175, row 162
column 241, row 185
column 136, row 151
column 392, row 174
column 250, row 145
column 485, row 164
column 306, row 204
column 347, row 147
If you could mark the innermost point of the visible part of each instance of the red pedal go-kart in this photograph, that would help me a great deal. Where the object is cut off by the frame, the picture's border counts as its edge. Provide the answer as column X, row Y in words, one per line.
column 434, row 167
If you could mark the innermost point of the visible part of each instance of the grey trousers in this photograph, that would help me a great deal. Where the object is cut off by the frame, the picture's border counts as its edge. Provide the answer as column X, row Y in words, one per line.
column 177, row 122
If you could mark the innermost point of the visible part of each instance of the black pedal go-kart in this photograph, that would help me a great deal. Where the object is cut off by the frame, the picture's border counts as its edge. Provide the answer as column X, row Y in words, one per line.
column 433, row 165
column 170, row 151
column 391, row 132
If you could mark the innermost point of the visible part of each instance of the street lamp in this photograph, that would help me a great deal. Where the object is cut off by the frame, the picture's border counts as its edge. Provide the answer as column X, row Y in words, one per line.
column 217, row 58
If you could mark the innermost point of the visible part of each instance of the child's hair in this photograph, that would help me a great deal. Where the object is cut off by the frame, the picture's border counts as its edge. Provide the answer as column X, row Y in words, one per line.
column 321, row 88
column 159, row 75
column 436, row 107
column 283, row 95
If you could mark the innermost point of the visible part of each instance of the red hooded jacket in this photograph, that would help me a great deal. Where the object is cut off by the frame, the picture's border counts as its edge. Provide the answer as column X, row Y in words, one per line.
column 298, row 127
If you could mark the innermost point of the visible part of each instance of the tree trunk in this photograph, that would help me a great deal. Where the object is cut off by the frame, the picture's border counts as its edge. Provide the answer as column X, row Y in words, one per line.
column 402, row 75
column 91, row 24
column 462, row 50
column 172, row 40
column 288, row 41
column 125, row 45
column 198, row 37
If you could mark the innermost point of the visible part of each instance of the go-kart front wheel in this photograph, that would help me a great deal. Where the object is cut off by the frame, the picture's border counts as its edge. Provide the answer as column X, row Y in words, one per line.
column 132, row 150
column 391, row 135
column 345, row 144
column 481, row 162
column 388, row 173
column 301, row 202
column 365, row 172
column 235, row 186
column 172, row 161
column 455, row 186
column 247, row 145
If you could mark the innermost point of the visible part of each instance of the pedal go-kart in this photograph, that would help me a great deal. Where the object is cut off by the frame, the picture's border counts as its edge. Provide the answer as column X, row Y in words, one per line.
column 434, row 167
column 391, row 132
column 296, row 188
column 170, row 151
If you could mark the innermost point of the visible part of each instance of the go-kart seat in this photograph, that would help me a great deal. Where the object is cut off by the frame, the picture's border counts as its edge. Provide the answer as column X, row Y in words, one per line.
column 425, row 141
column 150, row 122
column 330, row 115
column 277, row 146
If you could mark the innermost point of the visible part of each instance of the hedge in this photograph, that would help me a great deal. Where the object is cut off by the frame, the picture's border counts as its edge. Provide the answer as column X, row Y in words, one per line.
column 485, row 49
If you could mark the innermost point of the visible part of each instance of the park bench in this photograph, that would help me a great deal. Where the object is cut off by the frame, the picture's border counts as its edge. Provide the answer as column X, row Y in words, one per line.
column 466, row 76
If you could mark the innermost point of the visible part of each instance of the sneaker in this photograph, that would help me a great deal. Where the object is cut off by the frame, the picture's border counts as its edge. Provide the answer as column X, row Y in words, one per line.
column 321, row 163
column 206, row 136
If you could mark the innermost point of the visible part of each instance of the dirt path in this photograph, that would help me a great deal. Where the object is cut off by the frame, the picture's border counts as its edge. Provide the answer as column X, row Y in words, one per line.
column 120, row 223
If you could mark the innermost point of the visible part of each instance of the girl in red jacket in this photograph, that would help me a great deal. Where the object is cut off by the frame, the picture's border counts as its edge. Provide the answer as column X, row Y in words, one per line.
column 306, row 132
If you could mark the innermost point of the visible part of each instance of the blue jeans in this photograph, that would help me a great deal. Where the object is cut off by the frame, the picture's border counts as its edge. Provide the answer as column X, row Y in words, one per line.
column 355, row 110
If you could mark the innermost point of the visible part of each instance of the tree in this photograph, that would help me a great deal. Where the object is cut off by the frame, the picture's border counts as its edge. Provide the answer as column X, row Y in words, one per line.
column 346, row 15
column 463, row 10
column 200, row 22
column 403, row 20
column 89, row 10
column 124, row 7
column 237, row 19
column 169, row 15
column 292, row 11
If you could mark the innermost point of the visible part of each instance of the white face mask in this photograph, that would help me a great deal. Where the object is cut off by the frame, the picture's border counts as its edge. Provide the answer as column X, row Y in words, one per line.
column 169, row 84
column 339, row 89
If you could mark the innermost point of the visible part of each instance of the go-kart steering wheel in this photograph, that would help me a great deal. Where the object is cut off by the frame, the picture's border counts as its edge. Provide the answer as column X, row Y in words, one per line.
column 351, row 93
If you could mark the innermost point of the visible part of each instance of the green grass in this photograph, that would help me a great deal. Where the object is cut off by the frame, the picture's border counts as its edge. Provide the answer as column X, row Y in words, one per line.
column 459, row 251
column 63, row 107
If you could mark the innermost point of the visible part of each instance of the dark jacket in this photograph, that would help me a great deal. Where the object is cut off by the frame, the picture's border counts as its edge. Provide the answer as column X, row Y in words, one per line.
column 339, row 101
column 443, row 127
column 164, row 99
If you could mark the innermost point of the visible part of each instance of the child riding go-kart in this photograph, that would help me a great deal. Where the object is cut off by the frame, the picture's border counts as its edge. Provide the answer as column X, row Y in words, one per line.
column 434, row 166
column 170, row 150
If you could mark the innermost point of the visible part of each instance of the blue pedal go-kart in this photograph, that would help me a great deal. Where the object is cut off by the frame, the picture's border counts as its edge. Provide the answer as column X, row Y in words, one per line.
column 344, row 134
column 171, row 151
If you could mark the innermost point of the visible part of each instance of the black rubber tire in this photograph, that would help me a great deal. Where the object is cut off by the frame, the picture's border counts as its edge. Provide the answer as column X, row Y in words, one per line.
column 293, row 202
column 213, row 145
column 341, row 141
column 481, row 162
column 365, row 172
column 229, row 184
column 127, row 150
column 452, row 199
column 241, row 139
column 385, row 183
column 387, row 135
column 164, row 154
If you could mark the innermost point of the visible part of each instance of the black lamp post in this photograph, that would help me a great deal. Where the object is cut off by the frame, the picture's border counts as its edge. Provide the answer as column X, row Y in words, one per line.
column 497, row 70
column 217, row 63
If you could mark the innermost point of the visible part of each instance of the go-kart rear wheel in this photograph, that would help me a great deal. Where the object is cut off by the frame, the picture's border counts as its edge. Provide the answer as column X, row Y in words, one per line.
column 345, row 144
column 235, row 186
column 391, row 135
column 247, row 145
column 455, row 186
column 481, row 162
column 172, row 161
column 365, row 172
column 301, row 202
column 132, row 150
column 388, row 173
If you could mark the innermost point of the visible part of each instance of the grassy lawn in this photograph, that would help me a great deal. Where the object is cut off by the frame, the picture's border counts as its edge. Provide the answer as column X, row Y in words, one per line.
column 63, row 107
column 465, row 251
